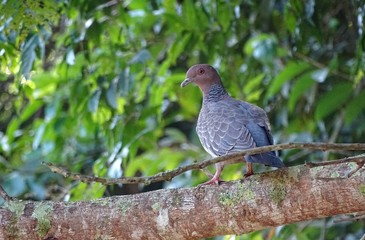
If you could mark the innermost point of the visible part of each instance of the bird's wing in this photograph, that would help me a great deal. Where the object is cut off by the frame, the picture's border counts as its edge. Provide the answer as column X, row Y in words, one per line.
column 261, row 120
column 232, row 127
column 258, row 124
column 222, row 130
column 259, row 128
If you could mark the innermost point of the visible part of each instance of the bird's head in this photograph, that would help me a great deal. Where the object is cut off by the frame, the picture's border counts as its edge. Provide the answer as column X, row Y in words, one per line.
column 203, row 75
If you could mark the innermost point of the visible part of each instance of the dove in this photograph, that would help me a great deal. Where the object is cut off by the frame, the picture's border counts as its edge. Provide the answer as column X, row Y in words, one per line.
column 226, row 125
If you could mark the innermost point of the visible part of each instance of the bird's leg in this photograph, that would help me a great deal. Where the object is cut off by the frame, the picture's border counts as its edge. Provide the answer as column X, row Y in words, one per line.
column 249, row 169
column 215, row 179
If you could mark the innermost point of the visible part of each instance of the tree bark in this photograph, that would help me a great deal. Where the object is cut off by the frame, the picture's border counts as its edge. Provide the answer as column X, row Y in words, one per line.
column 260, row 201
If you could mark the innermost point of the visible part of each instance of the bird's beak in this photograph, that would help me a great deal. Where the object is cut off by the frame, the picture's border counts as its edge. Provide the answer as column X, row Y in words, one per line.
column 186, row 82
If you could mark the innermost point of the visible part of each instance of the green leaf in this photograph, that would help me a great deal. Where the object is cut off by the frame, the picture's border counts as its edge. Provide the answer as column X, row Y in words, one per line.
column 15, row 183
column 169, row 6
column 111, row 94
column 26, row 114
column 3, row 76
column 224, row 14
column 38, row 136
column 93, row 103
column 292, row 70
column 144, row 83
column 178, row 47
column 95, row 32
column 141, row 57
column 301, row 236
column 28, row 56
column 290, row 20
column 332, row 100
column 174, row 20
column 99, row 168
column 253, row 83
column 355, row 107
column 189, row 14
column 75, row 71
column 51, row 109
column 301, row 85
column 252, row 89
column 84, row 191
column 174, row 135
column 262, row 47
column 45, row 80
column 77, row 193
column 124, row 84
column 38, row 190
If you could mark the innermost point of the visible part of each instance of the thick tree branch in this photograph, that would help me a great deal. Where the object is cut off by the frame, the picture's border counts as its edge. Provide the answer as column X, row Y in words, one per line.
column 264, row 200
column 168, row 175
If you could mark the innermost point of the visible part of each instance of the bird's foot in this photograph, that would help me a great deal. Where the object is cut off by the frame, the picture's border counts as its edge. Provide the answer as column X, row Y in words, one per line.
column 214, row 180
column 248, row 174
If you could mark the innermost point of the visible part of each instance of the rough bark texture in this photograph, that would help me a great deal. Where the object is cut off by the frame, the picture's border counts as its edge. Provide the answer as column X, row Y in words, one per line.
column 264, row 200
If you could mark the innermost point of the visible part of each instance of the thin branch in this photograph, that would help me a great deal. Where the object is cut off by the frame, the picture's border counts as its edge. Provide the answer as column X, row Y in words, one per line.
column 317, row 64
column 4, row 195
column 206, row 172
column 168, row 175
column 359, row 159
column 359, row 166
column 350, row 219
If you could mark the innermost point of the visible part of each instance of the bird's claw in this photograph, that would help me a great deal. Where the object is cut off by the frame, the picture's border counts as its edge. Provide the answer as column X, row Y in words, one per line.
column 248, row 174
column 213, row 181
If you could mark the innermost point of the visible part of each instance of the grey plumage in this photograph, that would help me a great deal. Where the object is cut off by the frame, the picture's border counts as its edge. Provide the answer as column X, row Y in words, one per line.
column 226, row 125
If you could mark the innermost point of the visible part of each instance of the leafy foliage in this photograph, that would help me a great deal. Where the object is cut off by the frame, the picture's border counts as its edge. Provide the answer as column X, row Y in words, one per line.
column 94, row 86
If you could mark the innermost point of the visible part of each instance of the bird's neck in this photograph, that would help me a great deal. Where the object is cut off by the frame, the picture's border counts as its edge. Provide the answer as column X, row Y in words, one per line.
column 215, row 93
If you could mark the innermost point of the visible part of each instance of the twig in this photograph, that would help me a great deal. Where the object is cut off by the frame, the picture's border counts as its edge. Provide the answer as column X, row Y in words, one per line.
column 359, row 159
column 337, row 126
column 320, row 65
column 168, row 175
column 4, row 195
column 359, row 166
column 348, row 219
column 206, row 171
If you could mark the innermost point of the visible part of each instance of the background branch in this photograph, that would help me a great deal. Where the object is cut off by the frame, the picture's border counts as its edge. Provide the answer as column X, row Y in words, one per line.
column 168, row 175
column 4, row 194
column 321, row 65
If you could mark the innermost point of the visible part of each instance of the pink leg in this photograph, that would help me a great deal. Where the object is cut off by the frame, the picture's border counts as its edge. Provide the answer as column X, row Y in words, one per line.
column 249, row 169
column 215, row 179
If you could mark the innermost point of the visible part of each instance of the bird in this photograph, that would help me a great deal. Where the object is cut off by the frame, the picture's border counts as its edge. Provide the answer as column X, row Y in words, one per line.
column 226, row 125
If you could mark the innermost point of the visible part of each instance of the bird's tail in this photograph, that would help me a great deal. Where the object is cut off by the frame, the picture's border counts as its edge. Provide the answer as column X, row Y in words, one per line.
column 268, row 159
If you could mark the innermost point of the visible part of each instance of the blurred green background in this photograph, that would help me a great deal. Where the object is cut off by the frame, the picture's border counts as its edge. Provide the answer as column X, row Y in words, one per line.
column 94, row 86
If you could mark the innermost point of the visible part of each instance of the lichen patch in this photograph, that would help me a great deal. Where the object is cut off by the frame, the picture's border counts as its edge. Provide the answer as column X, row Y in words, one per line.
column 362, row 189
column 162, row 219
column 236, row 195
column 42, row 212
column 15, row 207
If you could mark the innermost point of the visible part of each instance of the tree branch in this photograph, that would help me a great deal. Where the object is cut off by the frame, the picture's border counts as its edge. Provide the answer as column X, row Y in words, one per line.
column 168, row 175
column 261, row 201
column 321, row 65
column 5, row 195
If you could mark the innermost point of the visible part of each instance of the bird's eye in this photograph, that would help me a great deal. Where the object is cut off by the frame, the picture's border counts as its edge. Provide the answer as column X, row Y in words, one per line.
column 201, row 71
